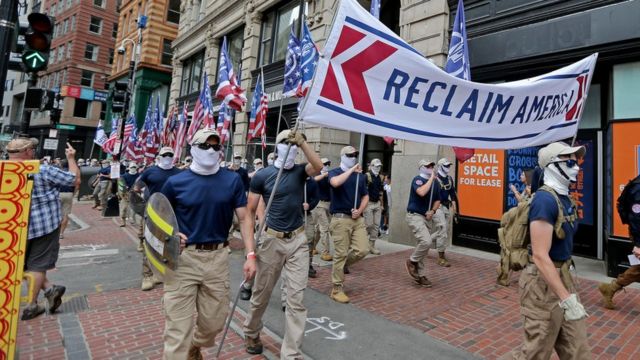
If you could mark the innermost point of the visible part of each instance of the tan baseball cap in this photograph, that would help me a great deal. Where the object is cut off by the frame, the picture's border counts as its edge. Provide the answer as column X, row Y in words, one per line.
column 257, row 161
column 376, row 162
column 325, row 160
column 550, row 153
column 201, row 136
column 166, row 150
column 21, row 144
column 237, row 155
column 348, row 150
column 426, row 163
column 444, row 162
column 284, row 134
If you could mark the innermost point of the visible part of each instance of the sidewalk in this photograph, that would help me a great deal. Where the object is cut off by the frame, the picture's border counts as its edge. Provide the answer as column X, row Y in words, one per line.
column 465, row 309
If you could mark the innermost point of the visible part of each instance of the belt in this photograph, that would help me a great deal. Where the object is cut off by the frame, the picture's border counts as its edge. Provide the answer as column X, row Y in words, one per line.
column 325, row 201
column 341, row 216
column 415, row 213
column 285, row 235
column 557, row 264
column 209, row 246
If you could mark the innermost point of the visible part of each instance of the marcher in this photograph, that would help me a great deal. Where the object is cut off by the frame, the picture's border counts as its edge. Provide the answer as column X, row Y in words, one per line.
column 94, row 163
column 271, row 158
column 373, row 212
column 66, row 198
column 204, row 200
column 553, row 317
column 236, row 165
column 103, row 187
column 448, row 206
column 629, row 210
column 424, row 201
column 43, row 239
column 125, row 184
column 321, row 212
column 154, row 178
column 347, row 227
column 257, row 166
column 283, row 245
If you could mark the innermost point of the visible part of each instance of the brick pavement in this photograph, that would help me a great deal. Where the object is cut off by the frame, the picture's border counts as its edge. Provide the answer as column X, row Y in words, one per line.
column 464, row 308
column 467, row 310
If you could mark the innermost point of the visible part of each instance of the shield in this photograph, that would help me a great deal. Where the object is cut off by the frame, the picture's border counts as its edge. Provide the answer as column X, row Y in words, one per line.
column 162, row 244
column 136, row 198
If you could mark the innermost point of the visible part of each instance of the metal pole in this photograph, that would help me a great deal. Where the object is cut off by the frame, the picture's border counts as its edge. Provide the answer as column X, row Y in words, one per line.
column 226, row 327
column 26, row 115
column 360, row 155
column 8, row 18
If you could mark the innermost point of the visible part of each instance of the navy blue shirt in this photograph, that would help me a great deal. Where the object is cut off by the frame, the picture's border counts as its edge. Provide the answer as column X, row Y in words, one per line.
column 421, row 204
column 324, row 189
column 447, row 190
column 285, row 213
column 104, row 171
column 155, row 177
column 204, row 205
column 375, row 187
column 312, row 193
column 544, row 207
column 244, row 176
column 342, row 197
column 129, row 180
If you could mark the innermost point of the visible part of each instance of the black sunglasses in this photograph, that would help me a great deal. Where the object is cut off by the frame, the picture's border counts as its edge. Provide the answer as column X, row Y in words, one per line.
column 327, row 163
column 355, row 154
column 207, row 146
column 570, row 162
column 167, row 155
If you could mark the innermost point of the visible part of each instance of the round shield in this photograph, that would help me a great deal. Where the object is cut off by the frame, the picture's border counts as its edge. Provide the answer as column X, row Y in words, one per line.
column 136, row 198
column 162, row 244
column 92, row 181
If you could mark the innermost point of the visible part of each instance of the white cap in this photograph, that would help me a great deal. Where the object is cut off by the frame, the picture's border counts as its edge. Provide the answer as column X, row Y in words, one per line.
column 444, row 162
column 201, row 136
column 550, row 153
column 166, row 150
column 376, row 162
column 426, row 163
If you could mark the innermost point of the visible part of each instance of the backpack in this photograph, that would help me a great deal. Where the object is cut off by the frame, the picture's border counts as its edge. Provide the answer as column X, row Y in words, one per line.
column 514, row 237
column 624, row 201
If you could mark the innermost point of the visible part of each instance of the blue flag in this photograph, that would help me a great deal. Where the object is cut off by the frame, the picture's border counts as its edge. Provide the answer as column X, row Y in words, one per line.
column 458, row 58
column 292, row 73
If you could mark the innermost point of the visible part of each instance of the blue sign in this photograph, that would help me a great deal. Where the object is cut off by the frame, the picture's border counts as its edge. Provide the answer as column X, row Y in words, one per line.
column 100, row 96
column 86, row 94
column 518, row 160
column 583, row 190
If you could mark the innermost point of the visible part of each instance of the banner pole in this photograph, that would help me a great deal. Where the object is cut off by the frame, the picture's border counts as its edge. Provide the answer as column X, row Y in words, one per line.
column 360, row 157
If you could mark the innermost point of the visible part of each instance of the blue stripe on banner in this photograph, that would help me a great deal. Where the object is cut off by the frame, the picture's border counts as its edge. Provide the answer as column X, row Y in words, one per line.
column 383, row 35
column 564, row 76
column 387, row 125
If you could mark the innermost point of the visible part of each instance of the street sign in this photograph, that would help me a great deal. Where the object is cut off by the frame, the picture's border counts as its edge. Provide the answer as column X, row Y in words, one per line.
column 65, row 127
column 53, row 133
column 50, row 144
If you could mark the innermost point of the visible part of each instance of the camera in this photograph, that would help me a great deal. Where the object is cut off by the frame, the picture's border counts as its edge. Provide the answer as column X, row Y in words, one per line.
column 121, row 50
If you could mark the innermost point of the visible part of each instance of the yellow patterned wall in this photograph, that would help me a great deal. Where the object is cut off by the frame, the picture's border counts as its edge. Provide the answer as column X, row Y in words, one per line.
column 15, row 198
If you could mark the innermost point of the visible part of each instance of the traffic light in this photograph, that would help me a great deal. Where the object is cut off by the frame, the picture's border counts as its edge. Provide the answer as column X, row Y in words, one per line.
column 37, row 39
column 119, row 96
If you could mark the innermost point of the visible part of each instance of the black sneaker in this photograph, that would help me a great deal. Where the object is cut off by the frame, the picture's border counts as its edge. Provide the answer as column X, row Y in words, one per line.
column 245, row 294
column 54, row 297
column 312, row 272
column 32, row 311
column 253, row 346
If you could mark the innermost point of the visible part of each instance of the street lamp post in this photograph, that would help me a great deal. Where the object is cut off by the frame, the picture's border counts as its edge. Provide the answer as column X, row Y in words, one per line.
column 133, row 64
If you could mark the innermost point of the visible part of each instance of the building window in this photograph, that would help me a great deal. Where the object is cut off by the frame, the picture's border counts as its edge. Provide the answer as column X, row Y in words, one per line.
column 64, row 76
column 191, row 74
column 99, row 3
column 66, row 26
column 91, row 52
column 73, row 22
column 114, row 32
column 81, row 108
column 8, row 85
column 235, row 41
column 52, row 11
column 96, row 25
column 69, row 49
column 8, row 109
column 173, row 11
column 87, row 78
column 61, row 53
column 626, row 78
column 52, row 56
column 111, row 56
column 103, row 111
column 69, row 3
column 276, row 29
column 167, row 52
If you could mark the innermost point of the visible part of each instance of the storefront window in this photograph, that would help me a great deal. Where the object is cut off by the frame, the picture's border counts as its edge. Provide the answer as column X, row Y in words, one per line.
column 592, row 114
column 275, row 31
column 626, row 90
column 191, row 74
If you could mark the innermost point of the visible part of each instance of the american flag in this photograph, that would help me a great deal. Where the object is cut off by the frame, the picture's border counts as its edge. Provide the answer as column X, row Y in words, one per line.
column 170, row 127
column 132, row 149
column 181, row 134
column 224, row 122
column 308, row 61
column 229, row 90
column 202, row 112
column 292, row 73
column 109, row 145
column 100, row 137
column 458, row 64
column 151, row 144
column 259, row 109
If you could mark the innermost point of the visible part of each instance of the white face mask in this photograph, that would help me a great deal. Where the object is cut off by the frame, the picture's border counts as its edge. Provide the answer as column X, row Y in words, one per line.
column 237, row 162
column 347, row 163
column 554, row 178
column 290, row 159
column 325, row 169
column 425, row 172
column 444, row 170
column 133, row 171
column 205, row 162
column 269, row 162
column 165, row 162
column 375, row 170
column 258, row 167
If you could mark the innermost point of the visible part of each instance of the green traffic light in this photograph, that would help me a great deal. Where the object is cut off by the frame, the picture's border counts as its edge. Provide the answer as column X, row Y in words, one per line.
column 34, row 60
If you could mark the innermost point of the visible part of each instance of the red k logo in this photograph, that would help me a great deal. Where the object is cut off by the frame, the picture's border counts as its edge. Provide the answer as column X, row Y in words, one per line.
column 351, row 67
column 576, row 108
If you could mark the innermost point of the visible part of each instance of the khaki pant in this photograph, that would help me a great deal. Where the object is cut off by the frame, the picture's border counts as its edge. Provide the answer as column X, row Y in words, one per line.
column 441, row 233
column 372, row 215
column 312, row 240
column 350, row 243
column 100, row 193
column 274, row 256
column 630, row 276
column 324, row 218
column 146, row 268
column 200, row 285
column 545, row 328
column 421, row 228
column 124, row 207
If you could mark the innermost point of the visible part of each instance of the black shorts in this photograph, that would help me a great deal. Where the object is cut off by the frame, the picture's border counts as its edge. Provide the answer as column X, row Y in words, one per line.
column 42, row 252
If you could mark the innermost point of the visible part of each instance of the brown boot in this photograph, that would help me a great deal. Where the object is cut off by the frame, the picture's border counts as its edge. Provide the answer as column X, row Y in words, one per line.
column 412, row 269
column 337, row 294
column 442, row 261
column 194, row 353
column 608, row 291
column 424, row 282
column 253, row 346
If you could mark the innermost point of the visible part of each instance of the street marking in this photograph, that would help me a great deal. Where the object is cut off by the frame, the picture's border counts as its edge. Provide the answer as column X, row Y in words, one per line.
column 325, row 324
column 89, row 253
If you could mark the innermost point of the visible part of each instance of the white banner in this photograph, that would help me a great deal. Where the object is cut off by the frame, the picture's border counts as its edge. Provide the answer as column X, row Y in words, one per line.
column 370, row 80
